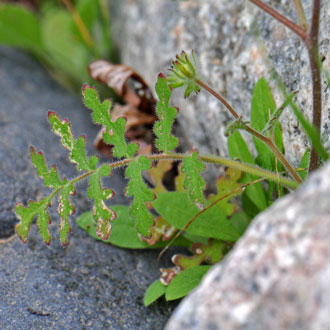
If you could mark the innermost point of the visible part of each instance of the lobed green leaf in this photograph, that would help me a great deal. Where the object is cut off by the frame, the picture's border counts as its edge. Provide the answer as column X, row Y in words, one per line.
column 192, row 166
column 64, row 209
column 50, row 177
column 166, row 114
column 114, row 133
column 141, row 194
column 76, row 147
column 102, row 214
column 26, row 215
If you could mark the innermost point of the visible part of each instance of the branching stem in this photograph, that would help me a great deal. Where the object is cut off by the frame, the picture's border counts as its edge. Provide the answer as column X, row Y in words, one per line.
column 253, row 132
column 247, row 168
column 310, row 39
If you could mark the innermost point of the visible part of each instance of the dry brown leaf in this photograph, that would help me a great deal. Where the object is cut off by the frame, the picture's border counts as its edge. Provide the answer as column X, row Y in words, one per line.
column 126, row 82
column 139, row 110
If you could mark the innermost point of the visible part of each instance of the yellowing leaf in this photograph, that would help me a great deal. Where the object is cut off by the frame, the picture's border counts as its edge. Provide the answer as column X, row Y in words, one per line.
column 102, row 214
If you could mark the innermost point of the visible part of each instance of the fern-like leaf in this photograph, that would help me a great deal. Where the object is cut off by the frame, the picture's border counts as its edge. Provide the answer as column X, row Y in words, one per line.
column 64, row 188
column 50, row 176
column 114, row 131
column 138, row 189
column 64, row 209
column 102, row 214
column 193, row 182
column 26, row 215
column 76, row 147
column 166, row 114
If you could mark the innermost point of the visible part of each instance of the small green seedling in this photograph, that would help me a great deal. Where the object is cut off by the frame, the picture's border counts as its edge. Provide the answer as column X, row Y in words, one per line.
column 209, row 225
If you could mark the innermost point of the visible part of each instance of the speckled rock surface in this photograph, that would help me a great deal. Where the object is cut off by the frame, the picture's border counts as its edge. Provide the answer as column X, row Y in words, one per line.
column 278, row 275
column 88, row 284
column 236, row 44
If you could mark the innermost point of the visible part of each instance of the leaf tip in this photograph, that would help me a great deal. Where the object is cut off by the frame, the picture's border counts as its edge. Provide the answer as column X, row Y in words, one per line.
column 52, row 113
column 84, row 87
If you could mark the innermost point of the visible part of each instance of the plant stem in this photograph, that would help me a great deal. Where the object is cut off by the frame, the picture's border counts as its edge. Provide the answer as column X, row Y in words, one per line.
column 313, row 53
column 247, row 168
column 219, row 97
column 80, row 25
column 275, row 150
column 301, row 14
column 255, row 133
column 179, row 233
column 288, row 23
column 311, row 42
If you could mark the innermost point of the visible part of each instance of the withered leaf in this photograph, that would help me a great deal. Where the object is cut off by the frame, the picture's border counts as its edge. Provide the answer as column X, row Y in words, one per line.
column 126, row 82
column 140, row 103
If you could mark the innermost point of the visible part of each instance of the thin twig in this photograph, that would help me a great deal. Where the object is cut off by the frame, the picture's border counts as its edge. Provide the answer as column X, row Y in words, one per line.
column 288, row 23
column 253, row 132
column 219, row 97
column 179, row 233
column 313, row 53
column 311, row 42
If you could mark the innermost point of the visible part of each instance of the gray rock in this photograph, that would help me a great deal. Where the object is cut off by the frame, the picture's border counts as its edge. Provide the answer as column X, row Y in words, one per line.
column 277, row 276
column 88, row 284
column 237, row 44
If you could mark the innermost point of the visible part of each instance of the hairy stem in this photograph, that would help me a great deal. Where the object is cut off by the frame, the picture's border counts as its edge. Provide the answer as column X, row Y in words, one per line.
column 253, row 132
column 313, row 53
column 219, row 97
column 247, row 168
column 288, row 23
column 275, row 150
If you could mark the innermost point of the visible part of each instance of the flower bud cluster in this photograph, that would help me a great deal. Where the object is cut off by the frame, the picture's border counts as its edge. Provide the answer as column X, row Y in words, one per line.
column 183, row 73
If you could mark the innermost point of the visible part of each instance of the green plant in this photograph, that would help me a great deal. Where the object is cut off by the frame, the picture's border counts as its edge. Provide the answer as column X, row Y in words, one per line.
column 65, row 37
column 208, row 225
